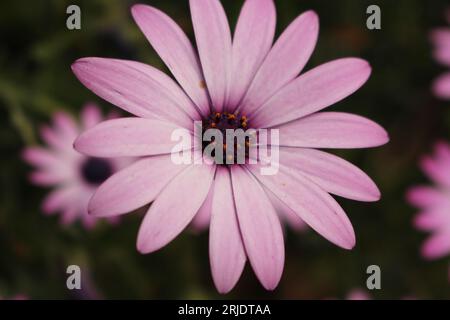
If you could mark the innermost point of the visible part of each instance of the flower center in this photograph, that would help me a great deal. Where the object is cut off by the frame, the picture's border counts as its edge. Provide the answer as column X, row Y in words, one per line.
column 226, row 131
column 95, row 171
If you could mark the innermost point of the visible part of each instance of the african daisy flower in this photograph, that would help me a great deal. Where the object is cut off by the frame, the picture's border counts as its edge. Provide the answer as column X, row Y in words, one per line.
column 239, row 83
column 73, row 176
column 441, row 42
column 434, row 202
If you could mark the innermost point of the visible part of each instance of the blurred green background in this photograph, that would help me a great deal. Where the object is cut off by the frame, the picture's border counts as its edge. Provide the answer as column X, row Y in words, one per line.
column 36, row 51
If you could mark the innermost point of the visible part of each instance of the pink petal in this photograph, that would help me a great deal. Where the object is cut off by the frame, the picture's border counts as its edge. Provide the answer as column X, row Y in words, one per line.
column 442, row 151
column 70, row 214
column 90, row 115
column 441, row 86
column 60, row 199
column 137, row 88
column 437, row 246
column 202, row 219
column 40, row 157
column 284, row 62
column 312, row 204
column 252, row 41
column 226, row 251
column 128, row 137
column 65, row 125
column 285, row 213
column 260, row 228
column 175, row 207
column 212, row 33
column 427, row 197
column 331, row 173
column 88, row 221
column 433, row 219
column 358, row 295
column 332, row 130
column 441, row 41
column 313, row 91
column 47, row 178
column 56, row 140
column 175, row 49
column 134, row 186
column 436, row 170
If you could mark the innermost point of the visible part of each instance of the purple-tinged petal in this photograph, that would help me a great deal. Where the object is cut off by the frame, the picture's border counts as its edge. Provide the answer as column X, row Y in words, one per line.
column 441, row 87
column 47, row 178
column 59, row 199
column 252, row 41
column 436, row 170
column 40, row 157
column 433, row 219
column 128, row 137
column 65, row 125
column 202, row 219
column 441, row 41
column 334, row 130
column 313, row 91
column 90, row 116
column 427, row 197
column 175, row 207
column 285, row 213
column 312, row 204
column 331, row 173
column 284, row 62
column 226, row 251
column 134, row 186
column 437, row 246
column 260, row 228
column 358, row 295
column 70, row 214
column 137, row 88
column 213, row 37
column 176, row 50
column 53, row 139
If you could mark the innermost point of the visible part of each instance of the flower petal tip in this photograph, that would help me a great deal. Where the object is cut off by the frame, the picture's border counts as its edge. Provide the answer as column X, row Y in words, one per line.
column 138, row 8
column 142, row 248
column 311, row 14
column 271, row 285
column 223, row 289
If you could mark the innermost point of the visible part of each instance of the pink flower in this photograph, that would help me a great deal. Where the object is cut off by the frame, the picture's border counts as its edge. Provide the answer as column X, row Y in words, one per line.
column 434, row 202
column 73, row 176
column 441, row 41
column 16, row 297
column 242, row 83
column 358, row 294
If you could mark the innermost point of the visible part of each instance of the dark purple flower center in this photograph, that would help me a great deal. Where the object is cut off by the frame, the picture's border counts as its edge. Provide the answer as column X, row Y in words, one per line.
column 95, row 171
column 224, row 123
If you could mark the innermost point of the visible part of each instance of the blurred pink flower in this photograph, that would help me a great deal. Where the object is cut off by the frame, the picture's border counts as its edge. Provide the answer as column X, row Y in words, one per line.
column 358, row 294
column 258, row 85
column 73, row 176
column 440, row 38
column 16, row 297
column 434, row 202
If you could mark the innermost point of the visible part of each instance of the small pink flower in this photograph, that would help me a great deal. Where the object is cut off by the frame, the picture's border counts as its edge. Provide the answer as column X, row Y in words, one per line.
column 358, row 294
column 19, row 297
column 441, row 41
column 434, row 202
column 73, row 176
column 240, row 82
